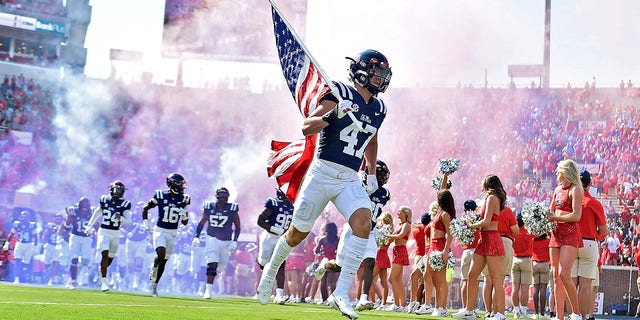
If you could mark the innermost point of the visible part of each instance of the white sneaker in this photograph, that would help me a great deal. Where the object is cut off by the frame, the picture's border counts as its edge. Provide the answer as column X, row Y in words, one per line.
column 464, row 314
column 497, row 316
column 342, row 303
column 279, row 299
column 395, row 308
column 424, row 309
column 412, row 306
column 264, row 289
column 207, row 294
column 320, row 271
column 363, row 305
column 442, row 312
column 575, row 316
column 104, row 286
column 154, row 290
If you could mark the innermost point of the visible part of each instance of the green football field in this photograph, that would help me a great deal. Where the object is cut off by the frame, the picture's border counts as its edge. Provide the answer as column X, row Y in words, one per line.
column 21, row 302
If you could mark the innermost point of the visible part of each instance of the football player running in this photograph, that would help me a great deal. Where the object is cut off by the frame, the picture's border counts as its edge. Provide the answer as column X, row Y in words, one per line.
column 275, row 219
column 379, row 198
column 172, row 208
column 25, row 229
column 113, row 211
column 219, row 216
column 80, row 249
column 51, row 253
column 333, row 175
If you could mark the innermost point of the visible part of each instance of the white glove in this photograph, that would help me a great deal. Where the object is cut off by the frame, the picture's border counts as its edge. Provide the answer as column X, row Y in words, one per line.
column 343, row 107
column 233, row 245
column 5, row 247
column 88, row 230
column 195, row 242
column 184, row 215
column 372, row 183
column 145, row 225
column 277, row 230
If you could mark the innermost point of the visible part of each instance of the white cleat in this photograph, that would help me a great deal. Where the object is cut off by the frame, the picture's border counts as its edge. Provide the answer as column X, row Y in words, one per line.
column 343, row 305
column 207, row 294
column 264, row 289
column 105, row 287
column 154, row 290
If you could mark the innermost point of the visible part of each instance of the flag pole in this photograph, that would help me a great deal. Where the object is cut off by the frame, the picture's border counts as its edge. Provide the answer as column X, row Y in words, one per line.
column 332, row 86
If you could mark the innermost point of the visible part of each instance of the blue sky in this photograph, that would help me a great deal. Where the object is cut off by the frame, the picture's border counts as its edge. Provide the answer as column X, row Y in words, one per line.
column 427, row 42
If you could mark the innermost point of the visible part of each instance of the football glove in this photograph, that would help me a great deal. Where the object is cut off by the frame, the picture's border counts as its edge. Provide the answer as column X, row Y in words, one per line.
column 88, row 230
column 145, row 225
column 372, row 184
column 5, row 247
column 233, row 245
column 184, row 215
column 277, row 230
column 338, row 112
column 195, row 242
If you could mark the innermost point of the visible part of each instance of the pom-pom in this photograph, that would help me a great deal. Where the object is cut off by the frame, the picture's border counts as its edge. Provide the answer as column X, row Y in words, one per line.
column 448, row 165
column 437, row 182
column 461, row 231
column 437, row 263
column 381, row 234
column 535, row 216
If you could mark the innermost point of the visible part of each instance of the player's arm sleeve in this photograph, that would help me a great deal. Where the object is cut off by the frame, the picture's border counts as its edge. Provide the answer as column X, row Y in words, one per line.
column 94, row 217
column 125, row 219
column 200, row 226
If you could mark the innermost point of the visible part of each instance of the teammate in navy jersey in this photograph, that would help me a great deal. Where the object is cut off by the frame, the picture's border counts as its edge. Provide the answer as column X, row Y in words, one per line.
column 135, row 247
column 25, row 230
column 275, row 219
column 223, row 228
column 333, row 175
column 80, row 249
column 113, row 211
column 51, row 252
column 379, row 199
column 172, row 208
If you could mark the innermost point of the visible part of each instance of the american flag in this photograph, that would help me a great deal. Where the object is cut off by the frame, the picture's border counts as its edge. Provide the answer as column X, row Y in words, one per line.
column 289, row 161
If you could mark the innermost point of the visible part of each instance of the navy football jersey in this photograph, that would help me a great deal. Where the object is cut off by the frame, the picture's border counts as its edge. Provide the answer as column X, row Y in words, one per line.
column 220, row 219
column 78, row 219
column 169, row 208
column 50, row 233
column 109, row 208
column 341, row 142
column 281, row 213
column 379, row 198
column 25, row 231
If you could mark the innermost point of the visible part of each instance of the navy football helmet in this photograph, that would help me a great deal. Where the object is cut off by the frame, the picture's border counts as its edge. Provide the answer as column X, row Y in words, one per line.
column 84, row 203
column 222, row 194
column 176, row 182
column 382, row 173
column 116, row 189
column 371, row 70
